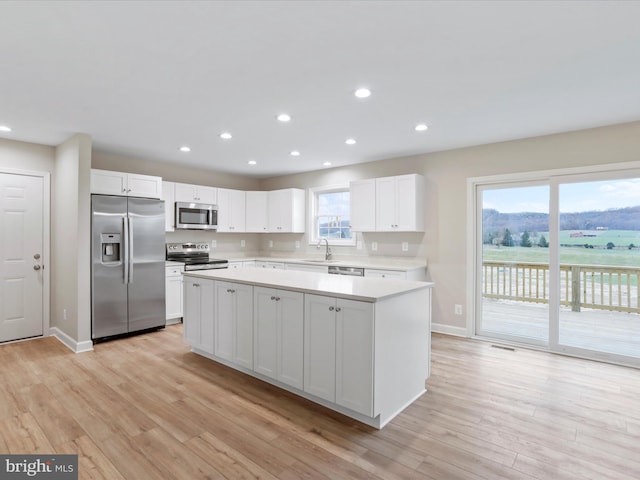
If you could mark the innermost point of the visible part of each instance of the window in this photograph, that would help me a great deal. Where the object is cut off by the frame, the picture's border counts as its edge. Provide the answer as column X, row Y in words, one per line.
column 330, row 215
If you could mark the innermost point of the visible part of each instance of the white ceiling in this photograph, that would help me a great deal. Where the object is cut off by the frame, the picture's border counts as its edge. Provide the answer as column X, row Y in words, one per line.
column 144, row 78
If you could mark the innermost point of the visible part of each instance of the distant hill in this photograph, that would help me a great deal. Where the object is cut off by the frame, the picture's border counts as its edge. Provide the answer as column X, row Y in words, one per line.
column 615, row 219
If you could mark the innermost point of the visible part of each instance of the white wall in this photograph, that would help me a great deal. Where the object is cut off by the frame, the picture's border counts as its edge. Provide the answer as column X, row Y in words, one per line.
column 26, row 156
column 446, row 174
column 70, row 239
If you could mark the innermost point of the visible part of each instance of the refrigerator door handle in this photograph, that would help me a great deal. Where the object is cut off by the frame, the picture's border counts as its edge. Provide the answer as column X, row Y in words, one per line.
column 125, row 244
column 130, row 249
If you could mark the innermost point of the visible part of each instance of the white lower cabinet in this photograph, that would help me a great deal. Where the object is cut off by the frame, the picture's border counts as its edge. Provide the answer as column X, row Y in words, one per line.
column 320, row 346
column 274, row 265
column 173, row 294
column 396, row 274
column 278, row 335
column 338, row 351
column 233, row 321
column 354, row 355
column 198, row 313
column 301, row 267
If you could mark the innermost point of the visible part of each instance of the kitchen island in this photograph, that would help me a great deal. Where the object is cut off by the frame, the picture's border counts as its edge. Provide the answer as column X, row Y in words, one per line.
column 359, row 346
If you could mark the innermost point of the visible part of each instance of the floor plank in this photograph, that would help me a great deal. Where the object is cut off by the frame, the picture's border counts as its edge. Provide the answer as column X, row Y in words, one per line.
column 145, row 407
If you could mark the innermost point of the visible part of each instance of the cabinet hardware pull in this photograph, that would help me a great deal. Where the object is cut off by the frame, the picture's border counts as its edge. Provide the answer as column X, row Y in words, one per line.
column 272, row 297
column 277, row 299
column 338, row 309
column 196, row 284
column 331, row 309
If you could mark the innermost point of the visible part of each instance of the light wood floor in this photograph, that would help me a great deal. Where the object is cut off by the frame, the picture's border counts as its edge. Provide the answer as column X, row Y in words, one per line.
column 147, row 408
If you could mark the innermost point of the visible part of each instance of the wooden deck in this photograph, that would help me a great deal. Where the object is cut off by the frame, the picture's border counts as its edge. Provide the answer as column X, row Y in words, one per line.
column 611, row 332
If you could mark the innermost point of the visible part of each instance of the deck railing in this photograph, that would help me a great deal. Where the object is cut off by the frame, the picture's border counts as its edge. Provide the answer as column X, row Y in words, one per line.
column 589, row 286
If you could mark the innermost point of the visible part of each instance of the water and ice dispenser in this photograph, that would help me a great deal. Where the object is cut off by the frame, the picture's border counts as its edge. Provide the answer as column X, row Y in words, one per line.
column 111, row 247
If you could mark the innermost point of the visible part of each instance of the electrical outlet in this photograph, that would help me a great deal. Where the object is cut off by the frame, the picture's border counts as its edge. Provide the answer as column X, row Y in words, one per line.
column 214, row 243
column 297, row 243
column 270, row 243
column 374, row 246
column 405, row 246
column 242, row 243
column 457, row 309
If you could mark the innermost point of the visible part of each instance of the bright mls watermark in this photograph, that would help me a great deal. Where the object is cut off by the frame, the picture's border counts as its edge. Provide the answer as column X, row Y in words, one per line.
column 50, row 467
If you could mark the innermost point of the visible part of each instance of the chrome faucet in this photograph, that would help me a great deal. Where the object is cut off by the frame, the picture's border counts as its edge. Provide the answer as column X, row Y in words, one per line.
column 328, row 253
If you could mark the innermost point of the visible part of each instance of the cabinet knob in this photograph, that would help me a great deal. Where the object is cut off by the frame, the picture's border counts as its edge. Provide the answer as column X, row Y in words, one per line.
column 231, row 290
column 331, row 309
column 196, row 284
column 338, row 309
column 277, row 299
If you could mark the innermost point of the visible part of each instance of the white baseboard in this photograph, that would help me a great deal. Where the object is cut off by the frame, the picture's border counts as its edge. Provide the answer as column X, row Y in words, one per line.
column 71, row 343
column 449, row 330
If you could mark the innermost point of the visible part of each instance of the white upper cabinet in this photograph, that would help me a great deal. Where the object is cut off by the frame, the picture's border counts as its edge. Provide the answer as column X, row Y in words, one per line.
column 363, row 200
column 169, row 197
column 286, row 211
column 186, row 192
column 231, row 210
column 107, row 182
column 400, row 203
column 257, row 212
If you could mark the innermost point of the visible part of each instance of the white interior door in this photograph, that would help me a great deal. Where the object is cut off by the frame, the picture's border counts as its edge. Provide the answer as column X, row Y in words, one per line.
column 21, row 251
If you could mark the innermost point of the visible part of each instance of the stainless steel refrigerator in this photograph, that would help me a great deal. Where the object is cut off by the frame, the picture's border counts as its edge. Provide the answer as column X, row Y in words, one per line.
column 127, row 265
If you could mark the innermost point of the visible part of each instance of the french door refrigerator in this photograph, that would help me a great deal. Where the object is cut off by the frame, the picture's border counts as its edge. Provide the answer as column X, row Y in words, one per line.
column 127, row 265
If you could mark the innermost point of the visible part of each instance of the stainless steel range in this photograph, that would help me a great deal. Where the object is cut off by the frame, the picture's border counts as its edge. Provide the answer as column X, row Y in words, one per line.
column 195, row 256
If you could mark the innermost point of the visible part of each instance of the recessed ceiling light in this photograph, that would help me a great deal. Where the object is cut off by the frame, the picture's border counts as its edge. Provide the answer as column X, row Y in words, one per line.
column 226, row 135
column 363, row 92
column 350, row 141
column 421, row 127
column 4, row 128
column 184, row 148
column 283, row 117
column 252, row 162
column 326, row 164
column 295, row 153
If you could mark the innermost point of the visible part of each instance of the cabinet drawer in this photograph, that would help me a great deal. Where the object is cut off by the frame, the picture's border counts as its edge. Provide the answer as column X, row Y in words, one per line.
column 173, row 271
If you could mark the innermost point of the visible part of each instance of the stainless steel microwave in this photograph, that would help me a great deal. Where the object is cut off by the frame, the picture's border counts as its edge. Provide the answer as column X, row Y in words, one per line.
column 196, row 216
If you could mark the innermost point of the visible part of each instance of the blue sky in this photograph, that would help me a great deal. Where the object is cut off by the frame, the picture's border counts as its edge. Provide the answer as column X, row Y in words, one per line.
column 574, row 197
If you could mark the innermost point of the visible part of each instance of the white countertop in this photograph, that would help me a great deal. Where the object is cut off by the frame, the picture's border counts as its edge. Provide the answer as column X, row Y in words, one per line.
column 341, row 286
column 381, row 263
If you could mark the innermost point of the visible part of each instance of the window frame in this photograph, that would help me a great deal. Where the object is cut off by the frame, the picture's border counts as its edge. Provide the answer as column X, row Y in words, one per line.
column 314, row 238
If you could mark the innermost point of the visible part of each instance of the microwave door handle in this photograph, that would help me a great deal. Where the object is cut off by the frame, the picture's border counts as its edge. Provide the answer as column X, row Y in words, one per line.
column 125, row 245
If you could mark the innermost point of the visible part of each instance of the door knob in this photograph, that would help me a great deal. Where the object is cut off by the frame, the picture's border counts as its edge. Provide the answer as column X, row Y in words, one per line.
column 36, row 256
column 36, row 267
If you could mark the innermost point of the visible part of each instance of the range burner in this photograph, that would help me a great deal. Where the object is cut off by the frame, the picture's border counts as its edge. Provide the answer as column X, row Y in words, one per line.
column 195, row 256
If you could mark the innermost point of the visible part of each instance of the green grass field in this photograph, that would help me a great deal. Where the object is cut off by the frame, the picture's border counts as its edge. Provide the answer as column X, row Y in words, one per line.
column 599, row 255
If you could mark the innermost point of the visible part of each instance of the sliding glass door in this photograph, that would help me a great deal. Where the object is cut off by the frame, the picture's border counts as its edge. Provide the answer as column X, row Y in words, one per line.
column 514, row 267
column 558, row 264
column 599, row 271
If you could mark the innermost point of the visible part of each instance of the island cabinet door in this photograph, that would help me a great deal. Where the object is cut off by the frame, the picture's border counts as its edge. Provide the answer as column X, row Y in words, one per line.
column 320, row 346
column 198, row 313
column 278, row 340
column 224, row 303
column 265, row 325
column 234, row 323
column 354, row 355
column 290, row 338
